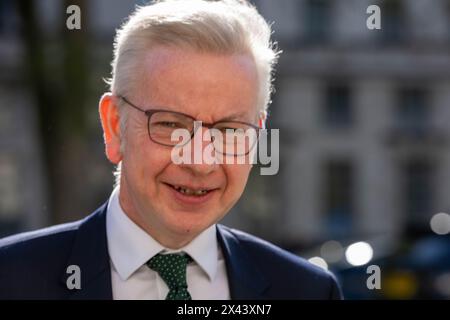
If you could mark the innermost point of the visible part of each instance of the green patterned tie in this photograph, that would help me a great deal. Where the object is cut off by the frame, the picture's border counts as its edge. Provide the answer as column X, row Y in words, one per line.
column 172, row 269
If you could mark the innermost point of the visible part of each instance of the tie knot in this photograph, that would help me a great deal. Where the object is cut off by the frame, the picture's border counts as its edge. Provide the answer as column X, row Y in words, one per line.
column 172, row 269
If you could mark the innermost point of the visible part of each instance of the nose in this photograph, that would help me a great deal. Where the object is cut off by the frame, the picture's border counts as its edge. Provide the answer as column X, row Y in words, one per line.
column 203, row 155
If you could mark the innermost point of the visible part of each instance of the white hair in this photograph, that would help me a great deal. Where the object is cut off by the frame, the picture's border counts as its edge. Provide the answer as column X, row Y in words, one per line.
column 222, row 27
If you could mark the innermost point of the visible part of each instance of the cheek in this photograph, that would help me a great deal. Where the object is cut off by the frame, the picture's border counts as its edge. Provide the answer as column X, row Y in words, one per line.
column 145, row 160
column 237, row 176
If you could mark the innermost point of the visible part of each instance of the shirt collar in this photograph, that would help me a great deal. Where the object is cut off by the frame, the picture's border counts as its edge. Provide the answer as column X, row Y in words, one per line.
column 203, row 249
column 130, row 247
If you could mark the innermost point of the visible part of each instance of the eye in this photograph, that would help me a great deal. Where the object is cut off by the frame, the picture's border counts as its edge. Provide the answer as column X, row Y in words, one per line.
column 169, row 124
column 230, row 129
column 234, row 131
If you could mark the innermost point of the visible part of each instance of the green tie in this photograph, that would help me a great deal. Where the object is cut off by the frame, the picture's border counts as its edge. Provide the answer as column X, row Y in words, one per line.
column 172, row 269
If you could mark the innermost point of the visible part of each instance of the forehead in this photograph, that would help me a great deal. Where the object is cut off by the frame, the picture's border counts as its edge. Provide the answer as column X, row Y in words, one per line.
column 196, row 83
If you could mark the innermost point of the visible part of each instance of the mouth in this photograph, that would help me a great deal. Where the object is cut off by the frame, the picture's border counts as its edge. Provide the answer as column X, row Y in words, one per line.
column 191, row 191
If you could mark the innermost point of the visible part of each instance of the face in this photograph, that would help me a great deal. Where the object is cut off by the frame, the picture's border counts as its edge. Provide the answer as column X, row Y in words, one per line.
column 206, row 86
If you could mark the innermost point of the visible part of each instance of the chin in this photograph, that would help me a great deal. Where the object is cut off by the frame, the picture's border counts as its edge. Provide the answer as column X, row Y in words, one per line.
column 190, row 225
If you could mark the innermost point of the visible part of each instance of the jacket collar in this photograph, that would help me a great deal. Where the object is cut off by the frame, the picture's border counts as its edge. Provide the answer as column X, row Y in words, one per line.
column 245, row 279
column 90, row 253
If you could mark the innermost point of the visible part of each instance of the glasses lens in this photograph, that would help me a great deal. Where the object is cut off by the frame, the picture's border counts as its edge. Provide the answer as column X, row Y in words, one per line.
column 163, row 126
column 229, row 138
column 234, row 138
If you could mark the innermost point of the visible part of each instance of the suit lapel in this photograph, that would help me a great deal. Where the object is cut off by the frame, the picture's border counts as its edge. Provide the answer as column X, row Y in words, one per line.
column 244, row 278
column 90, row 253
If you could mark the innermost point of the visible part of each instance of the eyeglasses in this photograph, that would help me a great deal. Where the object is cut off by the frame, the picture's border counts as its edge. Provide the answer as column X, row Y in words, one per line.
column 235, row 138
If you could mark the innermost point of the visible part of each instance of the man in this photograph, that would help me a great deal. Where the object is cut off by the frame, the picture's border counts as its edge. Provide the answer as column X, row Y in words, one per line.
column 176, row 63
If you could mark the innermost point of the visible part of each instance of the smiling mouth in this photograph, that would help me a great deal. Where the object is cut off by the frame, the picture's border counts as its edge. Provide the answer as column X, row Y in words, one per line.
column 190, row 191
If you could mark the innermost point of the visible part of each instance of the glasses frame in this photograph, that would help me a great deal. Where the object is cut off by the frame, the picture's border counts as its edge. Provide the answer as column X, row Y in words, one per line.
column 150, row 112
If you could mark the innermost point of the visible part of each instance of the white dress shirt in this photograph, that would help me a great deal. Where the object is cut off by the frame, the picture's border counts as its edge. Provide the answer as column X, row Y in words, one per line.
column 130, row 247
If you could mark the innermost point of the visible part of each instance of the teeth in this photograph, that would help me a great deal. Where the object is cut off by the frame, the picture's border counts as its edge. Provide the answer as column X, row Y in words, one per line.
column 191, row 192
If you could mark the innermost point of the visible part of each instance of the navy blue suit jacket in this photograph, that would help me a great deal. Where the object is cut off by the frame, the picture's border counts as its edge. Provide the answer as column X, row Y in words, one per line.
column 34, row 265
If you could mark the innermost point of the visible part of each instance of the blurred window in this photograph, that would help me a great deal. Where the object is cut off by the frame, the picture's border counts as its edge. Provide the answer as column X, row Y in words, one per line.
column 338, row 111
column 2, row 16
column 392, row 22
column 7, row 11
column 413, row 113
column 339, row 195
column 417, row 190
column 317, row 16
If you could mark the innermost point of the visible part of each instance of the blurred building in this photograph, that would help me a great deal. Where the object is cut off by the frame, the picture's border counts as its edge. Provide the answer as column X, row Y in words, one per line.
column 22, row 178
column 34, row 60
column 363, row 117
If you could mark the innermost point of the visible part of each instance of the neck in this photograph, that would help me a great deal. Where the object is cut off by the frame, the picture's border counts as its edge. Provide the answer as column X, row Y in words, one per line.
column 173, row 241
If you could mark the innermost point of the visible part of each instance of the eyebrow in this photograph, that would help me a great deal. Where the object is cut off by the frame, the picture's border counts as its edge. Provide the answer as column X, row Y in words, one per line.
column 235, row 117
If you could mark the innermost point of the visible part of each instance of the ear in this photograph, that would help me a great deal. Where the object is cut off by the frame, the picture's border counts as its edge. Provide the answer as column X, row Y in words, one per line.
column 262, row 119
column 110, row 118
